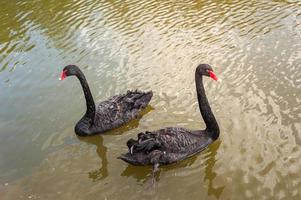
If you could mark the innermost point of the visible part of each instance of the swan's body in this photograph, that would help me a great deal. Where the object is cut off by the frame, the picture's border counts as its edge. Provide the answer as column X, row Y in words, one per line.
column 174, row 144
column 109, row 114
column 165, row 146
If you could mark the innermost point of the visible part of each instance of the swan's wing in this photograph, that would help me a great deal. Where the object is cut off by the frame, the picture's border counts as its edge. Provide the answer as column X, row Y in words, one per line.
column 171, row 139
column 120, row 109
column 132, row 102
column 165, row 146
column 106, row 112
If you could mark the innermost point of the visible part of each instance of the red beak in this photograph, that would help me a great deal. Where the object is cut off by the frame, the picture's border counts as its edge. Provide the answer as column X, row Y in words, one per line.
column 63, row 75
column 212, row 75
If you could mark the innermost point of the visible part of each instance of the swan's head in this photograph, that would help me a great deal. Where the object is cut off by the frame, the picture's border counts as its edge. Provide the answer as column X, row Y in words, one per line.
column 69, row 70
column 206, row 70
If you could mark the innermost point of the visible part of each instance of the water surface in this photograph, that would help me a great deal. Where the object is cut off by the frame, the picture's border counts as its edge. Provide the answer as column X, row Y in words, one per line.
column 253, row 46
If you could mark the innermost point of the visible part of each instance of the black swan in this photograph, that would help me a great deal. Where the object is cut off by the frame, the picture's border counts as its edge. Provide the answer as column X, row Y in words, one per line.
column 172, row 144
column 109, row 114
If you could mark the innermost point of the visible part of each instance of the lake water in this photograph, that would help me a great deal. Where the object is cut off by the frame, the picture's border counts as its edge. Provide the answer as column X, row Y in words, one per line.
column 253, row 46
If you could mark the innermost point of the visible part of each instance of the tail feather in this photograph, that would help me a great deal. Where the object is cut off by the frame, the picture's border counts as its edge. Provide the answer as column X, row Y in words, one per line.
column 128, row 158
column 138, row 99
column 123, row 157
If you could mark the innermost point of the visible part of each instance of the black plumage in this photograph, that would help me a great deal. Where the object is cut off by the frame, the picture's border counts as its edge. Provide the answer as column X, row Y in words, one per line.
column 109, row 114
column 172, row 144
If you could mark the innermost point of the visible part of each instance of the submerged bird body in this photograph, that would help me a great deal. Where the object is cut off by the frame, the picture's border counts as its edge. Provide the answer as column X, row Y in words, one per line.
column 109, row 114
column 172, row 144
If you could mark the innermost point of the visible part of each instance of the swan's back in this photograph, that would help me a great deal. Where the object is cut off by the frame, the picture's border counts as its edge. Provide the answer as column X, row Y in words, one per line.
column 165, row 146
column 120, row 109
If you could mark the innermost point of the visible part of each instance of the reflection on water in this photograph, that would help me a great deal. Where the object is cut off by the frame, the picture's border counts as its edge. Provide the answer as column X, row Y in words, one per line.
column 253, row 46
column 101, row 150
column 210, row 174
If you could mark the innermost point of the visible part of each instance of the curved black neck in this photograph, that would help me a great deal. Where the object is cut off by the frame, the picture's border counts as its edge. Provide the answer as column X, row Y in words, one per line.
column 210, row 121
column 90, row 113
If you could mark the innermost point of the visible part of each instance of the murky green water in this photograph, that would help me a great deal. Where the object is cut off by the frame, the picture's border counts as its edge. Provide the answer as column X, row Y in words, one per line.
column 254, row 47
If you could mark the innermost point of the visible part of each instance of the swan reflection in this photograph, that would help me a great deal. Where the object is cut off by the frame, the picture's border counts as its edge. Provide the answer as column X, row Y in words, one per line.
column 101, row 149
